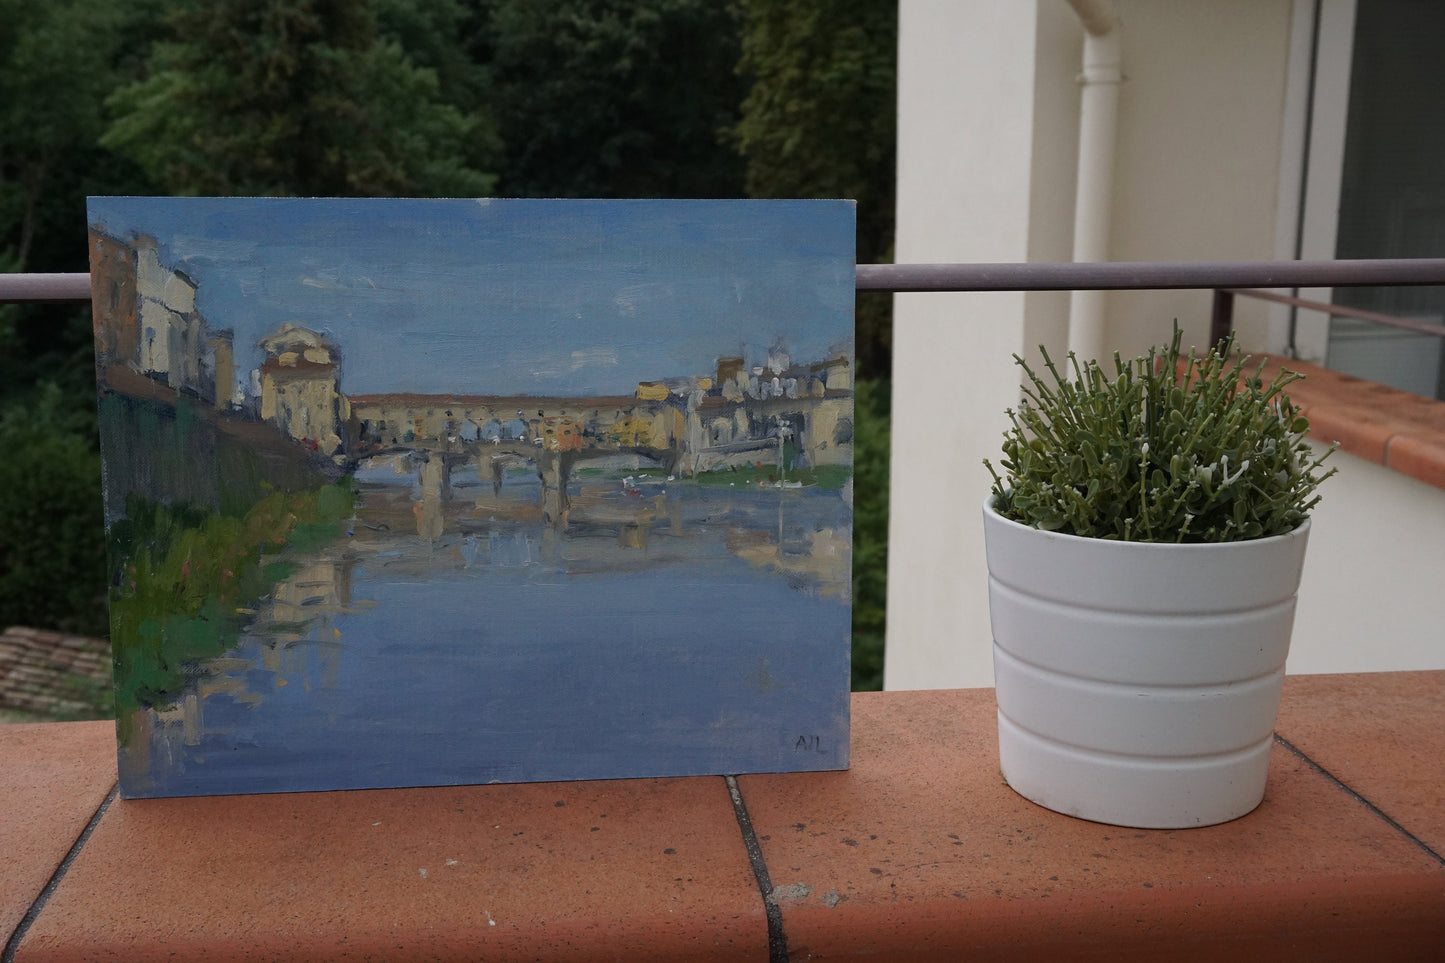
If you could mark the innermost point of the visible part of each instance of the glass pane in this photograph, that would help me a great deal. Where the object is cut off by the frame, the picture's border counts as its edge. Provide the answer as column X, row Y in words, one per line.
column 1392, row 201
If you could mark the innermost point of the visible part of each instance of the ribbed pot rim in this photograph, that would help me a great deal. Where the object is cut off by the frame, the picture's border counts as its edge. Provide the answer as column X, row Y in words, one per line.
column 1103, row 543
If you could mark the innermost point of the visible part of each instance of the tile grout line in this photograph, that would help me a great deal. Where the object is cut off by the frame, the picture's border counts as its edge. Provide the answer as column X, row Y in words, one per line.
column 777, row 939
column 1376, row 810
column 13, row 945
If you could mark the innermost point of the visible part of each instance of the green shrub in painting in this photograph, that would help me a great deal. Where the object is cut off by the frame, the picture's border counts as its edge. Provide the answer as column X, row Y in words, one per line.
column 186, row 579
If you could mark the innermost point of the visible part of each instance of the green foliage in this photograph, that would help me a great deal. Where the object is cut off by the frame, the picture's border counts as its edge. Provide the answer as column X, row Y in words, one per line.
column 292, row 97
column 52, row 548
column 49, row 109
column 603, row 99
column 1168, row 449
column 58, row 62
column 819, row 118
column 872, row 401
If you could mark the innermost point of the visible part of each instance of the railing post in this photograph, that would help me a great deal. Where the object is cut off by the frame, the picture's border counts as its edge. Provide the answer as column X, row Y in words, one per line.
column 1221, row 318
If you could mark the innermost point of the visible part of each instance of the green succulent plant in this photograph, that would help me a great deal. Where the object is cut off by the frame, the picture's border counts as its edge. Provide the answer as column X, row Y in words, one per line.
column 1159, row 451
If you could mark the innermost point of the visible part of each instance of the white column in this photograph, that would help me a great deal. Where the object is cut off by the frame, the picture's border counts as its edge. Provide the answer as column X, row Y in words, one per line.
column 965, row 147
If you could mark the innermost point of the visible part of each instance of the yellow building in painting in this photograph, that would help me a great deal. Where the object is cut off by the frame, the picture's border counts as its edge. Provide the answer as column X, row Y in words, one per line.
column 300, row 388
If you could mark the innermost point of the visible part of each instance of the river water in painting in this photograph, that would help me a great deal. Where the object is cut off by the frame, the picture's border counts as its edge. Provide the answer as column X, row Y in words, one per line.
column 451, row 637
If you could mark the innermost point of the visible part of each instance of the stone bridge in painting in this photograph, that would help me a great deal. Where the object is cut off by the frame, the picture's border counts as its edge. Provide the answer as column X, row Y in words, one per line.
column 440, row 433
column 677, row 433
column 434, row 464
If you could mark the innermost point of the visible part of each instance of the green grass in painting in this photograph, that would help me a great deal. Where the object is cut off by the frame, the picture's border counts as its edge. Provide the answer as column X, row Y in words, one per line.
column 827, row 477
column 186, row 580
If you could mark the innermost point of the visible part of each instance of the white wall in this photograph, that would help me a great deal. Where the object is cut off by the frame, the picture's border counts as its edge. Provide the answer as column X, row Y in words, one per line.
column 1373, row 594
column 987, row 134
column 1198, row 154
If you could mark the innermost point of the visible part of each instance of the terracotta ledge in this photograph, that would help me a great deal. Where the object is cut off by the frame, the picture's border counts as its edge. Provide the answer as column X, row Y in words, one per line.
column 918, row 852
column 1402, row 431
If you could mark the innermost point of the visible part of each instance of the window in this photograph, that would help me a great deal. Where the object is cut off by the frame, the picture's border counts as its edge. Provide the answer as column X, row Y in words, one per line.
column 1392, row 191
column 1374, row 180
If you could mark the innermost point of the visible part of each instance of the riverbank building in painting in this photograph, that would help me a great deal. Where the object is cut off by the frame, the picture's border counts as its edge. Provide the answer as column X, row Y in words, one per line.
column 300, row 388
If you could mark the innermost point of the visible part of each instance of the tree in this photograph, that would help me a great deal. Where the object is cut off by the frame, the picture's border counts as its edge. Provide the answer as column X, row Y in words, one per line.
column 819, row 121
column 870, row 531
column 58, row 63
column 451, row 39
column 48, row 107
column 601, row 98
column 295, row 97
column 52, row 544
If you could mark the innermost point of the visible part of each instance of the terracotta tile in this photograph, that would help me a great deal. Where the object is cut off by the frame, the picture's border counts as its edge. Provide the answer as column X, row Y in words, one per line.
column 53, row 777
column 920, row 852
column 1323, row 386
column 1369, row 419
column 642, row 869
column 1382, row 734
column 1419, row 456
column 1409, row 410
column 1358, row 431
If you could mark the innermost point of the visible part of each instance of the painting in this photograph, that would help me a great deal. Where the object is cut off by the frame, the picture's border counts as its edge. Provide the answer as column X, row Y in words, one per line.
column 442, row 492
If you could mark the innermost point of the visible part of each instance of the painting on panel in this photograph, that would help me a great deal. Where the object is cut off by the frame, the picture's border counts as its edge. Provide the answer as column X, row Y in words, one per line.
column 434, row 492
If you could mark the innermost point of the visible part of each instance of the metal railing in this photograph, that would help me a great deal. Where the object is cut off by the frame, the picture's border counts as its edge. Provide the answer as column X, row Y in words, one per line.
column 1221, row 319
column 1109, row 276
column 1150, row 275
column 38, row 288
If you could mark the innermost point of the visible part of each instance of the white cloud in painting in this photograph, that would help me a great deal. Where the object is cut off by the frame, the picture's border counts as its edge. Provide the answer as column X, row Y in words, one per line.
column 195, row 248
column 593, row 358
column 552, row 366
column 542, row 367
column 629, row 298
column 331, row 281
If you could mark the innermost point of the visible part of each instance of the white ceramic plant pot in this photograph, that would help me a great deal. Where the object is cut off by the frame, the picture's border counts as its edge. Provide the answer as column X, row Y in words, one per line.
column 1138, row 683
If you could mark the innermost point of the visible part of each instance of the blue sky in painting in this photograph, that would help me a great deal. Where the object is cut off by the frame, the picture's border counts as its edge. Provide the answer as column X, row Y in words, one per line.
column 512, row 296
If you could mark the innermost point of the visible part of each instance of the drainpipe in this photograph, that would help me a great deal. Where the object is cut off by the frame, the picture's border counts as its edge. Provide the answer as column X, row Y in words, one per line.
column 1094, row 193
